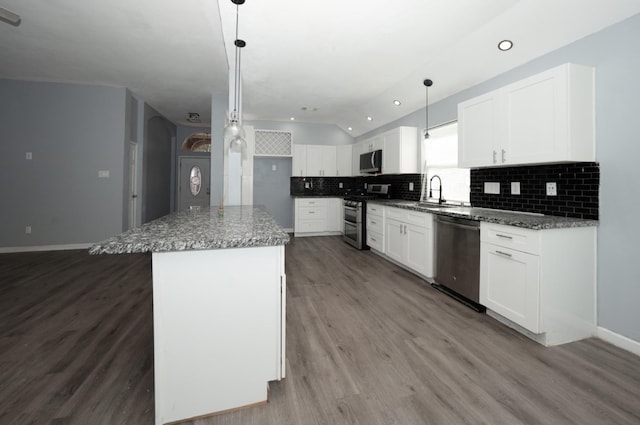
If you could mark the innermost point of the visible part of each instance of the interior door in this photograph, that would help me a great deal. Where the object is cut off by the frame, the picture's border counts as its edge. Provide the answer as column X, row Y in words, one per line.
column 194, row 182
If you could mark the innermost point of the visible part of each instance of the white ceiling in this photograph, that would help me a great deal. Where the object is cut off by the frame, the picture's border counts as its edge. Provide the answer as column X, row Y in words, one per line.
column 348, row 59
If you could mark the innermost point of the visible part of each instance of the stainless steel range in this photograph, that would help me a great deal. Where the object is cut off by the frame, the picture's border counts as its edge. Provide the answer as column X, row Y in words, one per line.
column 355, row 211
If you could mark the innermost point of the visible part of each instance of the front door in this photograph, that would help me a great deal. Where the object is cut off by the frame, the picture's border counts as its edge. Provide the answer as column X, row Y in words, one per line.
column 194, row 182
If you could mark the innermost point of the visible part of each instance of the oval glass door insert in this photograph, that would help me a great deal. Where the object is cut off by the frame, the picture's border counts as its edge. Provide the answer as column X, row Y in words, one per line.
column 195, row 180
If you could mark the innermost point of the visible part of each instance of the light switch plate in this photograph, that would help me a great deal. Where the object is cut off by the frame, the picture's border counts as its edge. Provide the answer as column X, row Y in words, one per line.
column 552, row 189
column 492, row 187
column 28, row 156
column 515, row 188
column 273, row 167
column 104, row 174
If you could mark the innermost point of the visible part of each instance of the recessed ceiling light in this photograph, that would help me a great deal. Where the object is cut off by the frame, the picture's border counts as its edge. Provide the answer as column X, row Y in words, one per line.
column 397, row 102
column 349, row 128
column 292, row 118
column 369, row 118
column 505, row 45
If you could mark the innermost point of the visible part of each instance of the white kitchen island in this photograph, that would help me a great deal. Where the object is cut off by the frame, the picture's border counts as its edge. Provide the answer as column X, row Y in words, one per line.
column 219, row 289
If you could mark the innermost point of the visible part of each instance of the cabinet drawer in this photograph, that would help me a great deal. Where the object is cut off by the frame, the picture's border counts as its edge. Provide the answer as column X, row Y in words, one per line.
column 312, row 213
column 396, row 213
column 375, row 240
column 375, row 209
column 309, row 226
column 419, row 218
column 525, row 240
column 311, row 202
column 410, row 217
column 374, row 223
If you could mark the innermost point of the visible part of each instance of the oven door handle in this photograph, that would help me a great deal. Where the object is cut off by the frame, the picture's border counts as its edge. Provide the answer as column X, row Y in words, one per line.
column 351, row 208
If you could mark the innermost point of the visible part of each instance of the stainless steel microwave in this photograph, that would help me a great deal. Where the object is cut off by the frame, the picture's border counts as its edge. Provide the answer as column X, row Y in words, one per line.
column 371, row 162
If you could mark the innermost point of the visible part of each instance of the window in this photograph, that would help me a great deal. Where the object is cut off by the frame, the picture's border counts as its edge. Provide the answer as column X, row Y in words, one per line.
column 197, row 142
column 440, row 157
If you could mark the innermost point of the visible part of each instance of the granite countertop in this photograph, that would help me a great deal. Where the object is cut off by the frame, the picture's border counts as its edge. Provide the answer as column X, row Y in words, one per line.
column 240, row 227
column 317, row 196
column 525, row 220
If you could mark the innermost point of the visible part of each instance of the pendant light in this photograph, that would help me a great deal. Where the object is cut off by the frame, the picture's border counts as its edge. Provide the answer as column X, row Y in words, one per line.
column 234, row 131
column 427, row 83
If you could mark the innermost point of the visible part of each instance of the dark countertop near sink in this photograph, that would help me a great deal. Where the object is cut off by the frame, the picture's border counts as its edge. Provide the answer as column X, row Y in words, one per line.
column 525, row 220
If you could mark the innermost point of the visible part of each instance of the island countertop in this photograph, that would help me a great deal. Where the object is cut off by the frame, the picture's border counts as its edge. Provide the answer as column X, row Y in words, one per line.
column 239, row 227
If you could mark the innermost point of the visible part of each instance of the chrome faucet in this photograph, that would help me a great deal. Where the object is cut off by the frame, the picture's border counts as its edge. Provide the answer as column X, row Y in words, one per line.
column 441, row 200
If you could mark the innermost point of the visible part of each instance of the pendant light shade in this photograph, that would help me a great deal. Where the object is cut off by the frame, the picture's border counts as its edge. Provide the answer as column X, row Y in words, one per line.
column 234, row 132
column 427, row 83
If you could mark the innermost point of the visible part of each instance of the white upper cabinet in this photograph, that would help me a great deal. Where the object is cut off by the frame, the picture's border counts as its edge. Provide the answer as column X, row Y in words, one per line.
column 546, row 118
column 344, row 160
column 478, row 140
column 320, row 161
column 299, row 161
column 400, row 151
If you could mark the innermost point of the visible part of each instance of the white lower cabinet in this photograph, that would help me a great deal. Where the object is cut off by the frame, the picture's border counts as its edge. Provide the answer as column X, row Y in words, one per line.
column 541, row 281
column 317, row 216
column 408, row 239
column 511, row 288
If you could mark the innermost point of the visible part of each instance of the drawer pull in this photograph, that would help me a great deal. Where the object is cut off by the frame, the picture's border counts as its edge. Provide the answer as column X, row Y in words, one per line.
column 373, row 222
column 506, row 254
column 504, row 236
column 312, row 212
column 374, row 239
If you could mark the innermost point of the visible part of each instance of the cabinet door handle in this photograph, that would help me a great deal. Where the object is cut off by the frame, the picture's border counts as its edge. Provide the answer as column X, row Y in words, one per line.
column 503, row 154
column 374, row 239
column 400, row 227
column 506, row 254
column 311, row 212
column 405, row 229
column 494, row 156
column 503, row 236
column 373, row 222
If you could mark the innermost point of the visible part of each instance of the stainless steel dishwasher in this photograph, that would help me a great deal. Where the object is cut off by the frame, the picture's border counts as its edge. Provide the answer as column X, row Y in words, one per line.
column 458, row 259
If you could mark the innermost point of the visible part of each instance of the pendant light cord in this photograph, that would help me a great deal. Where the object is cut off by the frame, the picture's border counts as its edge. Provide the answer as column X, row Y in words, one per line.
column 236, row 91
column 427, row 83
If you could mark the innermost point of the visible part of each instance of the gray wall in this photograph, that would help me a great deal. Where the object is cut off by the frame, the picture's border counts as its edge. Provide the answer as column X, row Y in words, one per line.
column 158, row 166
column 614, row 54
column 271, row 188
column 73, row 131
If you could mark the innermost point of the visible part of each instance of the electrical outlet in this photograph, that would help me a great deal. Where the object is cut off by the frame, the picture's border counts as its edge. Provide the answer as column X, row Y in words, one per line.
column 492, row 187
column 306, row 185
column 28, row 156
column 515, row 188
column 410, row 186
column 273, row 167
column 27, row 230
column 340, row 185
column 552, row 189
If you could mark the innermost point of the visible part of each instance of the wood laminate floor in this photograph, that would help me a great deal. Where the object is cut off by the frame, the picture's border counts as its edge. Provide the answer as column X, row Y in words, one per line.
column 368, row 343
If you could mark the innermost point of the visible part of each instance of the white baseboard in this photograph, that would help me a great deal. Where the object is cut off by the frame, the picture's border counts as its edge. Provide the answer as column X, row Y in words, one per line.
column 618, row 340
column 12, row 249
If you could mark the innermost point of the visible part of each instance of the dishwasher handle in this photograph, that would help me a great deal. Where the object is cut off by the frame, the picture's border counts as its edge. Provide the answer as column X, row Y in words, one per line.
column 463, row 223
